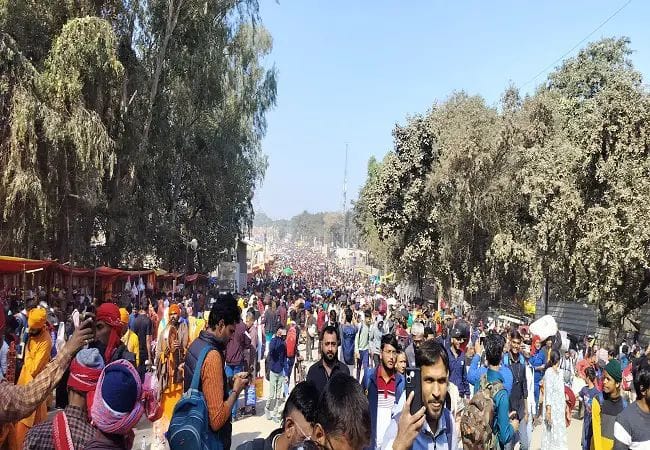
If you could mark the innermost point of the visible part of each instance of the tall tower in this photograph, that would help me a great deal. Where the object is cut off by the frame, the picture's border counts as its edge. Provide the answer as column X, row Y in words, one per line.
column 345, row 198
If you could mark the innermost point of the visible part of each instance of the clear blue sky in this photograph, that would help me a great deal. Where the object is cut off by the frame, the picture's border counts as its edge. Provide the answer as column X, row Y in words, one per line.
column 348, row 71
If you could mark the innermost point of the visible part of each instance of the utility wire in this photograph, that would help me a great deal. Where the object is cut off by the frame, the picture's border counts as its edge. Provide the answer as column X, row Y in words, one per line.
column 577, row 45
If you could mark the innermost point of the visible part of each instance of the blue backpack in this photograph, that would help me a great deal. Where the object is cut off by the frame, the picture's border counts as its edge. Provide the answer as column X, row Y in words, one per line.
column 347, row 344
column 189, row 427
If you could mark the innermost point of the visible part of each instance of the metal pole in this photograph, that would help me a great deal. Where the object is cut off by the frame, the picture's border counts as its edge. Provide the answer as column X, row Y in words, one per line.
column 546, row 294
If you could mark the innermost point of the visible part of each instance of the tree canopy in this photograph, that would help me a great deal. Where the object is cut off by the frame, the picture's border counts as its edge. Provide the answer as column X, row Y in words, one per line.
column 493, row 199
column 134, row 123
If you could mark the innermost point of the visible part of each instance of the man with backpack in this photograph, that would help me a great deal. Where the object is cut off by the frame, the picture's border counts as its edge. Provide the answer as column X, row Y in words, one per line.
column 348, row 337
column 494, row 430
column 277, row 360
column 292, row 350
column 432, row 426
column 206, row 357
column 383, row 387
column 606, row 406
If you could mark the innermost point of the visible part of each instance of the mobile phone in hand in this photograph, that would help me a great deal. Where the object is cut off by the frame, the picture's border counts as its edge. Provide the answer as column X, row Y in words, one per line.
column 414, row 384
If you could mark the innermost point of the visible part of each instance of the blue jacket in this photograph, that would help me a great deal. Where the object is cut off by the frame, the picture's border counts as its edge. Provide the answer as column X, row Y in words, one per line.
column 476, row 371
column 370, row 387
column 277, row 355
column 538, row 359
column 458, row 373
column 503, row 429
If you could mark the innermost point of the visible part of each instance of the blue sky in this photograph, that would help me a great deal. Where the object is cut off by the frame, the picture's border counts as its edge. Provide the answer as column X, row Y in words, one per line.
column 348, row 71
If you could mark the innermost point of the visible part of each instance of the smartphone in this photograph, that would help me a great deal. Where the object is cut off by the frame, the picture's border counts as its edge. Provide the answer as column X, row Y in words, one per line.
column 414, row 384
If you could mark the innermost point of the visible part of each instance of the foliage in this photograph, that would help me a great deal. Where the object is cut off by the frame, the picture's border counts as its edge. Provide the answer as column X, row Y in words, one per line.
column 137, row 123
column 555, row 185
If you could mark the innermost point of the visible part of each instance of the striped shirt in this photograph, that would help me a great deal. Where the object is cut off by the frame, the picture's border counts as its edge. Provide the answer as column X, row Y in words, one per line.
column 632, row 429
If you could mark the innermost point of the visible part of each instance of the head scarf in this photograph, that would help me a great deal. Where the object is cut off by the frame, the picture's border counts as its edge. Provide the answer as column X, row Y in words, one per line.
column 124, row 316
column 174, row 309
column 85, row 370
column 36, row 318
column 109, row 313
column 117, row 384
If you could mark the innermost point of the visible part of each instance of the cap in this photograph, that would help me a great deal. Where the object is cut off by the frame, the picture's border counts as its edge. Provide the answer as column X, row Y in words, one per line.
column 456, row 333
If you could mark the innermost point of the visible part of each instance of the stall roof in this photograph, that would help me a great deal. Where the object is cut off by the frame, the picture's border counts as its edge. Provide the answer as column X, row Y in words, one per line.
column 13, row 264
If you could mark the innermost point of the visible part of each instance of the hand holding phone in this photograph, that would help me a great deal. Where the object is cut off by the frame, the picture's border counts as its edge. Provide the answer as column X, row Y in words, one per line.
column 414, row 385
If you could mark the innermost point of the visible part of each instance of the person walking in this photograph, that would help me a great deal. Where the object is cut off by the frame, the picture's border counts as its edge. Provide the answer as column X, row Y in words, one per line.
column 236, row 349
column 322, row 371
column 375, row 341
column 519, row 393
column 143, row 328
column 383, row 386
column 311, row 331
column 348, row 337
column 219, row 398
column 606, row 406
column 554, row 436
column 587, row 395
column 277, row 360
column 361, row 343
column 37, row 355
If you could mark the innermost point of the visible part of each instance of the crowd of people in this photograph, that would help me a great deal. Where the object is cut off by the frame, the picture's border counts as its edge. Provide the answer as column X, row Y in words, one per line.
column 348, row 366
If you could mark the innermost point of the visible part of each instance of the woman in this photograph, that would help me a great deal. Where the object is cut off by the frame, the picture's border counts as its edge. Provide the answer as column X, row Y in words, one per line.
column 555, row 433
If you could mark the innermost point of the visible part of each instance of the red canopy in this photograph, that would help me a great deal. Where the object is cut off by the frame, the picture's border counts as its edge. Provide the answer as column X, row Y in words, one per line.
column 12, row 264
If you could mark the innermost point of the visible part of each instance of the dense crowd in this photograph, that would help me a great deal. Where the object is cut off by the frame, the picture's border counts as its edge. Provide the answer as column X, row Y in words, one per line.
column 349, row 366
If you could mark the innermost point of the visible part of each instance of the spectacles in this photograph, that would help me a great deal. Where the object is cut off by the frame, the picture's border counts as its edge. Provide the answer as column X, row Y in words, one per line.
column 304, row 435
column 307, row 444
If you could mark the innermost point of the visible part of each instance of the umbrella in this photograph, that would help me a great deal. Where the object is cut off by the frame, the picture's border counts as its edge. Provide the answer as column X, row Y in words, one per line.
column 288, row 271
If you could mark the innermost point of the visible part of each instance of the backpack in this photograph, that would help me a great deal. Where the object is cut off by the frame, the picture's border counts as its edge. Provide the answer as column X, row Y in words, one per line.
column 190, row 423
column 291, row 342
column 477, row 423
column 627, row 378
column 347, row 344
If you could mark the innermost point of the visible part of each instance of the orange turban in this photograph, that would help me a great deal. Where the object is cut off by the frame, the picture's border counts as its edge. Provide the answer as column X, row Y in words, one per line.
column 36, row 318
column 124, row 316
column 109, row 313
column 174, row 309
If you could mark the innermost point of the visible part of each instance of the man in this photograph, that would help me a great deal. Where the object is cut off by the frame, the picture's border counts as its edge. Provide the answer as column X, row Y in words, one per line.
column 277, row 361
column 282, row 313
column 170, row 354
column 343, row 418
column 400, row 362
column 519, row 393
column 270, row 319
column 219, row 399
column 321, row 319
column 298, row 419
column 116, row 407
column 361, row 343
column 457, row 372
column 477, row 370
column 108, row 331
column 632, row 427
column 503, row 427
column 256, row 335
column 71, row 427
column 432, row 427
column 567, row 365
column 129, row 338
column 143, row 328
column 607, row 406
column 37, row 355
column 310, row 334
column 417, row 338
column 376, row 333
column 384, row 387
column 322, row 371
column 348, row 337
column 235, row 352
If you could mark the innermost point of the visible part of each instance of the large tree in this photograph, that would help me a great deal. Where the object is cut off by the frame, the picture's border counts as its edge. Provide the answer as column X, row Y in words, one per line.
column 171, row 94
